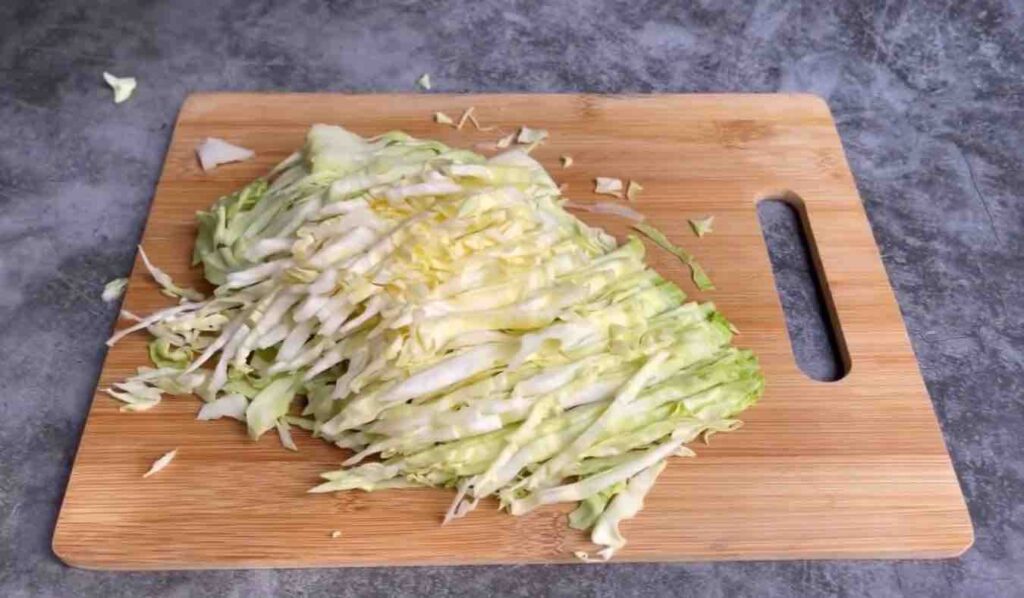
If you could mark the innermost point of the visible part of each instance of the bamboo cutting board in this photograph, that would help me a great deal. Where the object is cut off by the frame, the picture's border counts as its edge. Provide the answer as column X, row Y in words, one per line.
column 854, row 468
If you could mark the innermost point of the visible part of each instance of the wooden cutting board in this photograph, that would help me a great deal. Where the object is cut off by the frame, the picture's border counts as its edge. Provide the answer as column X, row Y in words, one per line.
column 847, row 469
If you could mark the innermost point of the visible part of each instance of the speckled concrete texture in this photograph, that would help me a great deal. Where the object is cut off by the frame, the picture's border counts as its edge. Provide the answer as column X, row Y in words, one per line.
column 929, row 99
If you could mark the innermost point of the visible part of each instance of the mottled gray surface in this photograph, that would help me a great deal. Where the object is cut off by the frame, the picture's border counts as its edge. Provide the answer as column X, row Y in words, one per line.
column 929, row 102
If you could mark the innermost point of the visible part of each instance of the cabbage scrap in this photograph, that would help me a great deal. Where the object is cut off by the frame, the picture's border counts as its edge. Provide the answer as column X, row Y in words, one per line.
column 122, row 86
column 213, row 152
column 477, row 126
column 527, row 135
column 633, row 190
column 607, row 207
column 114, row 289
column 608, row 186
column 700, row 278
column 161, row 463
column 232, row 405
column 167, row 286
column 702, row 226
column 285, row 435
column 466, row 115
column 440, row 315
column 626, row 504
column 136, row 395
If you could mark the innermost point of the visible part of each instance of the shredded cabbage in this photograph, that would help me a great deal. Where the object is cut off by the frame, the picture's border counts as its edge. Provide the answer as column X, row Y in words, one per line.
column 285, row 435
column 443, row 317
column 167, row 285
column 232, row 405
column 625, row 505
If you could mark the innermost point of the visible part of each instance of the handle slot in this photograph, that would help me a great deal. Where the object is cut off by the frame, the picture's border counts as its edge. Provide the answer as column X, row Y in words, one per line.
column 814, row 334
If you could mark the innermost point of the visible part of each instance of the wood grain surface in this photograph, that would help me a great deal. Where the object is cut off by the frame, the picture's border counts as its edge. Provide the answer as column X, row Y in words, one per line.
column 848, row 469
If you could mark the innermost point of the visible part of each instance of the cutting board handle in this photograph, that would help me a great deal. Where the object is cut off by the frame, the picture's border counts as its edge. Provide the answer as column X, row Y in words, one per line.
column 815, row 340
column 854, row 286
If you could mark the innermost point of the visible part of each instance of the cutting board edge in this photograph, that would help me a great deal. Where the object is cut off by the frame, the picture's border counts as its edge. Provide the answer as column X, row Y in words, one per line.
column 814, row 100
column 952, row 551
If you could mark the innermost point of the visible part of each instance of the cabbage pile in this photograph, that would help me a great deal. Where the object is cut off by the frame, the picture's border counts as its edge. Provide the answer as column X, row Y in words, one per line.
column 439, row 314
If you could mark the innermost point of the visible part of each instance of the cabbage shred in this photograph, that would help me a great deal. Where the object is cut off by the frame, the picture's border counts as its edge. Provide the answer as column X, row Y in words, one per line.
column 442, row 316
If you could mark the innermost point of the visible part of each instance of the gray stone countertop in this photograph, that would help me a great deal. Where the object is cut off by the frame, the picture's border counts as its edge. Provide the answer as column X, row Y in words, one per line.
column 929, row 100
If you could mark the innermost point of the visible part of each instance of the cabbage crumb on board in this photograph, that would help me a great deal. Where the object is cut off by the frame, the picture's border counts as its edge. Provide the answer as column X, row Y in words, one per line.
column 441, row 315
column 606, row 207
column 161, row 463
column 608, row 186
column 213, row 152
column 527, row 135
column 702, row 226
column 466, row 115
column 633, row 190
column 697, row 273
column 506, row 141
